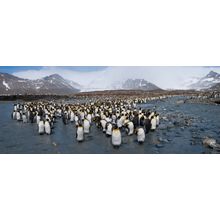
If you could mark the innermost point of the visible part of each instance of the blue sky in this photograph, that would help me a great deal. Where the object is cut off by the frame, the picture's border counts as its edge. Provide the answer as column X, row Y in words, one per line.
column 12, row 69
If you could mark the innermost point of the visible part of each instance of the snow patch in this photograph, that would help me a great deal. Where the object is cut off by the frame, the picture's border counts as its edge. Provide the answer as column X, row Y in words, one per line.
column 216, row 81
column 6, row 85
column 209, row 79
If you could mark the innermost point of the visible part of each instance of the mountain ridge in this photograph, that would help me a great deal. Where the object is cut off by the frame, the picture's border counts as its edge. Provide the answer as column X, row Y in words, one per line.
column 206, row 82
column 52, row 84
column 56, row 84
column 139, row 84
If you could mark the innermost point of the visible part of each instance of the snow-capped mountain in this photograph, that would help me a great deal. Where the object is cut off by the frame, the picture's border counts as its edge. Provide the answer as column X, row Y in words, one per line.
column 139, row 84
column 206, row 82
column 216, row 87
column 75, row 85
column 53, row 84
column 132, row 84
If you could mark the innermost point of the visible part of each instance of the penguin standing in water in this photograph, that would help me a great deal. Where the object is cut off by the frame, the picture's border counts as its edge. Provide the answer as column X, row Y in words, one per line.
column 114, row 118
column 116, row 137
column 142, row 120
column 24, row 118
column 140, row 135
column 15, row 107
column 86, row 126
column 31, row 116
column 109, row 129
column 119, row 122
column 136, row 120
column 41, row 127
column 65, row 118
column 103, row 124
column 130, row 128
column 79, row 133
column 38, row 118
column 14, row 115
column 147, row 125
column 76, row 119
column 47, row 127
column 89, row 118
column 157, row 119
column 18, row 116
column 153, row 123
column 72, row 116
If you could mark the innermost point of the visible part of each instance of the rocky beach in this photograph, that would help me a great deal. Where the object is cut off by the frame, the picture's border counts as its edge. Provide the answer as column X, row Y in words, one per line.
column 187, row 126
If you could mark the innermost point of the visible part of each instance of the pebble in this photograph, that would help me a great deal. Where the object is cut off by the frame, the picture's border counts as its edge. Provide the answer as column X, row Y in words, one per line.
column 162, row 126
column 163, row 140
column 159, row 145
column 54, row 144
column 209, row 142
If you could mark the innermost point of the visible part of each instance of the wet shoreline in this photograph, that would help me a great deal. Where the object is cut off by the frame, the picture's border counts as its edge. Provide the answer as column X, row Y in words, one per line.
column 182, row 131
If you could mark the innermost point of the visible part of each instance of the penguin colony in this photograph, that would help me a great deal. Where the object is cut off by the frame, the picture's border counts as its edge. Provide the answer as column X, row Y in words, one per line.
column 109, row 116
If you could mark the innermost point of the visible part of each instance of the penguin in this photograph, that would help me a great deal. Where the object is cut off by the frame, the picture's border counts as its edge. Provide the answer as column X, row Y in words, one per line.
column 153, row 123
column 142, row 120
column 140, row 135
column 98, row 121
column 157, row 119
column 18, row 116
column 109, row 129
column 103, row 125
column 86, row 126
column 82, row 115
column 41, row 127
column 76, row 120
column 65, row 118
column 31, row 116
column 59, row 113
column 119, row 122
column 136, row 120
column 108, row 119
column 28, row 114
column 14, row 115
column 89, row 118
column 47, row 127
column 151, row 115
column 147, row 125
column 116, row 137
column 38, row 118
column 114, row 118
column 125, row 121
column 24, row 118
column 15, row 107
column 72, row 116
column 79, row 133
column 130, row 128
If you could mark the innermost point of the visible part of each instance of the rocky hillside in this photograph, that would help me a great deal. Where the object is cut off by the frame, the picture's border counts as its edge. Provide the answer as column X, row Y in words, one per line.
column 53, row 84
column 139, row 84
column 210, row 80
column 216, row 87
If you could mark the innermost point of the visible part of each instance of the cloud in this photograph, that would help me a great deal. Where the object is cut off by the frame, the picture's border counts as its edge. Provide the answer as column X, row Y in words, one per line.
column 164, row 77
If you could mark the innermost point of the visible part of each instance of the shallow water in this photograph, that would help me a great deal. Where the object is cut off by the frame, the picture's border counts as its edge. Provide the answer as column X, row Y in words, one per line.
column 16, row 137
